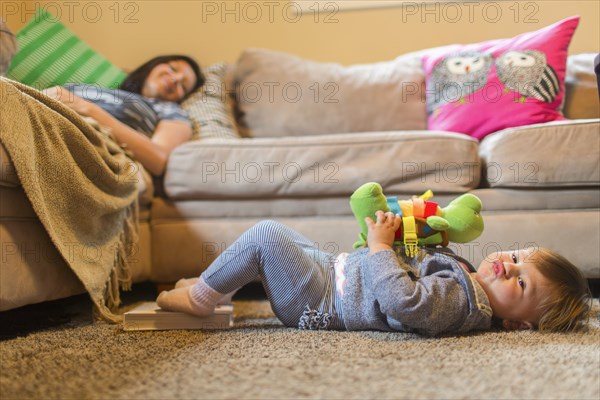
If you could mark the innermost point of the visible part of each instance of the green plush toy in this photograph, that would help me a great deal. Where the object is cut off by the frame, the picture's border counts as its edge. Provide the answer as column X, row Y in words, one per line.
column 424, row 223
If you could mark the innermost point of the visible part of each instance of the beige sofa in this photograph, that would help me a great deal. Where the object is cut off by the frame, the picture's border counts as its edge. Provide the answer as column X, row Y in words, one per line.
column 540, row 184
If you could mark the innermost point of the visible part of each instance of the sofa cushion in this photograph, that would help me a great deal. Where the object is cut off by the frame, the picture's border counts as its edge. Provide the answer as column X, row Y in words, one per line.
column 555, row 154
column 9, row 178
column 581, row 88
column 208, row 107
column 327, row 165
column 279, row 94
column 481, row 88
column 50, row 54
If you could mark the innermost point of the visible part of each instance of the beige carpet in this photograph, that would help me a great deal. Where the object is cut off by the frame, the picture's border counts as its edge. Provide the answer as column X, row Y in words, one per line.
column 261, row 359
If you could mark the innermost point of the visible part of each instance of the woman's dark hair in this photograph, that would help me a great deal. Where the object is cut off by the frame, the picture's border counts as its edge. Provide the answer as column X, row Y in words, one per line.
column 135, row 80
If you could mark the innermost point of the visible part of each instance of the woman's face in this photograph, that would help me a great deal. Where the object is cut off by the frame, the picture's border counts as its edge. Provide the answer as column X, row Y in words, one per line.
column 170, row 81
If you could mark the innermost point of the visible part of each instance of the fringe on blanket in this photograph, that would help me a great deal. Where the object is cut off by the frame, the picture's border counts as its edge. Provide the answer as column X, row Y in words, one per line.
column 120, row 276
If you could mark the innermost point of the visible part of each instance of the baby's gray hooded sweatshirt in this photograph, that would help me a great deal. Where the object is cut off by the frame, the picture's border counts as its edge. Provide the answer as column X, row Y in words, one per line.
column 430, row 294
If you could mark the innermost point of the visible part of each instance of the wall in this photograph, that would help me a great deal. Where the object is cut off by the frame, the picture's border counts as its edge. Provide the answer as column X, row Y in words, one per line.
column 129, row 32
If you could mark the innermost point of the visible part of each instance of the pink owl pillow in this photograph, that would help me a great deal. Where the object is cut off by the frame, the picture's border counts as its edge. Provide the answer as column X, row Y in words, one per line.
column 482, row 88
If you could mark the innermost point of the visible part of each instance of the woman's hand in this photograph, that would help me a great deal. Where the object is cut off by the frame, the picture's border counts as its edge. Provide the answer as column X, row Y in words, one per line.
column 76, row 103
column 381, row 233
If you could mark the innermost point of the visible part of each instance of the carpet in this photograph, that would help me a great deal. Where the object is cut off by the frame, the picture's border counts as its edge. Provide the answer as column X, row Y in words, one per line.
column 259, row 358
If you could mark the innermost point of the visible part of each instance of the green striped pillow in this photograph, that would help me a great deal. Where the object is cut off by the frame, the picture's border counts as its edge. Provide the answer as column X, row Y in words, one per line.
column 50, row 54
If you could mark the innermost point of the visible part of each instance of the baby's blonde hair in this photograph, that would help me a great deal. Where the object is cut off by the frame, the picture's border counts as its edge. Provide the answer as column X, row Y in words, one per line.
column 568, row 302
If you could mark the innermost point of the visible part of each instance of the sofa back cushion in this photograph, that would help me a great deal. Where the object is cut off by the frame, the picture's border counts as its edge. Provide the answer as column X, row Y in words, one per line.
column 279, row 94
column 581, row 94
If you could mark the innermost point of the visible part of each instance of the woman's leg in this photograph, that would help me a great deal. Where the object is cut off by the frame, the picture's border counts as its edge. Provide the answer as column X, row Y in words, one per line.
column 293, row 271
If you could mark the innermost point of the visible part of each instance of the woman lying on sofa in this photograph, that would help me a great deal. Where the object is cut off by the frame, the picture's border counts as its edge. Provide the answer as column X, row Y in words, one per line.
column 144, row 113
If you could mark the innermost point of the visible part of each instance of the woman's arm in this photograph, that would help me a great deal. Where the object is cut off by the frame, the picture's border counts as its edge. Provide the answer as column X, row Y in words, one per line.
column 153, row 153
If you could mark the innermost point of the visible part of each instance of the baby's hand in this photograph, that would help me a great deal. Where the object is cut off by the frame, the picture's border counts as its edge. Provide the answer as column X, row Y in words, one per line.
column 381, row 233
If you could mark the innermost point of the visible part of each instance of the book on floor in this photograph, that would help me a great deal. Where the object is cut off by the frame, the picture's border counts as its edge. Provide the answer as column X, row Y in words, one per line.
column 148, row 316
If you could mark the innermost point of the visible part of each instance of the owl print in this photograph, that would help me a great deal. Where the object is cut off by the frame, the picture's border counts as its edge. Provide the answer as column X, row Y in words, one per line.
column 527, row 73
column 457, row 76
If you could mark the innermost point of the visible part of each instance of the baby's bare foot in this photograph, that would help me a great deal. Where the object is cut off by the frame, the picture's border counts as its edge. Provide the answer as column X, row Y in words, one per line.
column 180, row 300
column 186, row 282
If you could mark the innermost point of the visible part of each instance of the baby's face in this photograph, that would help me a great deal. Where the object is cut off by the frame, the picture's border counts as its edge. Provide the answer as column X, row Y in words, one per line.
column 513, row 284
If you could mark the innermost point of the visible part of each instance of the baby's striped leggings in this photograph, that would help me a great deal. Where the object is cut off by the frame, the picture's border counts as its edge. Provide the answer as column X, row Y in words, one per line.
column 298, row 277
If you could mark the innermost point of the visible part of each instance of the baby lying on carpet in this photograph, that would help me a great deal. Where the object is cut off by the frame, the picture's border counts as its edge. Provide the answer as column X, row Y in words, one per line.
column 380, row 288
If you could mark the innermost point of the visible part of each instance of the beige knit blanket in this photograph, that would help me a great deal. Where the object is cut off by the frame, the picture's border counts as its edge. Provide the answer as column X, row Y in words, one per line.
column 81, row 185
